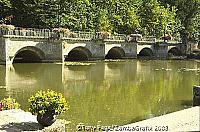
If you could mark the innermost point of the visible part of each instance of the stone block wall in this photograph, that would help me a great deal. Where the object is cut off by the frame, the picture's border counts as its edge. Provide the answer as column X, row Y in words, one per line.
column 161, row 51
column 130, row 49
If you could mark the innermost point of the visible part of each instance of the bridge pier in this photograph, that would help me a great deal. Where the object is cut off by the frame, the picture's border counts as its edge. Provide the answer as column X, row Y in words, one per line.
column 161, row 51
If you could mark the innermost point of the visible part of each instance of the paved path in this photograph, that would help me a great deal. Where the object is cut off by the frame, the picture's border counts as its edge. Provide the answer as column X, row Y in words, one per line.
column 184, row 120
column 17, row 120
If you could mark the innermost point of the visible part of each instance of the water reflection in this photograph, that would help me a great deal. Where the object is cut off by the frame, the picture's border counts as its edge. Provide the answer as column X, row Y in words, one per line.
column 110, row 92
column 23, row 80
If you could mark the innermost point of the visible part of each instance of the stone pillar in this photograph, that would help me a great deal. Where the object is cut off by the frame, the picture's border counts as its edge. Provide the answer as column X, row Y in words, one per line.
column 196, row 95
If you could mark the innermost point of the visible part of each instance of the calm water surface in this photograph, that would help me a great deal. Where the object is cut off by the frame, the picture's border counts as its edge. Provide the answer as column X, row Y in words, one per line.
column 111, row 93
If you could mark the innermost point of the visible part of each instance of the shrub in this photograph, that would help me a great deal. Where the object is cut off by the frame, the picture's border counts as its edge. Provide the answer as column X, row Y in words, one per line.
column 73, row 35
column 65, row 31
column 61, row 30
column 47, row 101
column 7, row 27
column 198, row 55
column 103, row 35
column 8, row 103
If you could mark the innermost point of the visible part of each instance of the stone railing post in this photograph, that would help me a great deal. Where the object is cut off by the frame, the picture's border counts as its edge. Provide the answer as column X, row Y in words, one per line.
column 196, row 95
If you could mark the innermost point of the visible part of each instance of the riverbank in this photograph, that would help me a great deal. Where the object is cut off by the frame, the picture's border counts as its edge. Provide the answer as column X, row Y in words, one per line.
column 184, row 120
column 17, row 120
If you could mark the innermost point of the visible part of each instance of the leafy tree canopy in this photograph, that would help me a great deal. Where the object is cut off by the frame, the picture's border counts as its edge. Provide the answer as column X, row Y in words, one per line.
column 148, row 17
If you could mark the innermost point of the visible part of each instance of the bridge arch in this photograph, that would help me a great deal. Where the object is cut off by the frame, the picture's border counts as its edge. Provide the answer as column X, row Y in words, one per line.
column 115, row 53
column 174, row 51
column 79, row 54
column 29, row 54
column 146, row 52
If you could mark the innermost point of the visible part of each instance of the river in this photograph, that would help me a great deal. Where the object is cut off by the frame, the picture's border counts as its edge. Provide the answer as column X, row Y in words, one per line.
column 107, row 93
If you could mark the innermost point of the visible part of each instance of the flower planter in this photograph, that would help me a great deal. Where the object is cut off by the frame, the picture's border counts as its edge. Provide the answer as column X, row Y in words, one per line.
column 102, row 35
column 46, row 119
column 46, row 105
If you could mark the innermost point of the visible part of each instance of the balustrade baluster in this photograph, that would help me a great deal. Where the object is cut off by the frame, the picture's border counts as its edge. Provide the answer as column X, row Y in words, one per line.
column 6, row 32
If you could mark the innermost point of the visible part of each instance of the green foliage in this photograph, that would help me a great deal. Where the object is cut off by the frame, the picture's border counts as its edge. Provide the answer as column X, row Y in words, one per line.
column 8, row 103
column 47, row 101
column 78, row 63
column 132, row 24
column 187, row 15
column 5, row 11
column 7, row 27
column 188, row 11
column 195, row 30
column 103, row 21
column 156, row 20
column 103, row 35
column 147, row 17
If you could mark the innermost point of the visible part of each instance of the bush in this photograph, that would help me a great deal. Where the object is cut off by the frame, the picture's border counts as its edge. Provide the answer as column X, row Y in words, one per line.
column 197, row 55
column 65, row 31
column 7, row 27
column 8, row 103
column 47, row 101
column 103, row 35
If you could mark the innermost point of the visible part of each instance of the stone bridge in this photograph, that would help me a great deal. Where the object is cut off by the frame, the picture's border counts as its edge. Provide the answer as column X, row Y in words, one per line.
column 159, row 50
column 94, row 50
column 43, row 45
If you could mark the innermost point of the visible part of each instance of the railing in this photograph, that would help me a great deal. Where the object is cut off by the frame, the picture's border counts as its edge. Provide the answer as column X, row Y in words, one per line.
column 31, row 32
column 107, row 36
column 117, row 37
column 152, row 39
column 47, row 33
column 77, row 34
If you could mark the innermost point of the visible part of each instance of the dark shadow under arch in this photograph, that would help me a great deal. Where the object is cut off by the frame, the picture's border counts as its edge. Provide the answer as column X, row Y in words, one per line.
column 175, row 52
column 146, row 52
column 115, row 53
column 29, row 54
column 79, row 54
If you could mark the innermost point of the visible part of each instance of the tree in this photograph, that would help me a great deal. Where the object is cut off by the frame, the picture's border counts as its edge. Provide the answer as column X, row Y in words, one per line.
column 5, row 13
column 103, row 21
column 124, row 17
column 79, row 15
column 149, row 17
column 188, row 16
column 188, row 13
column 196, row 28
column 155, row 19
column 37, row 13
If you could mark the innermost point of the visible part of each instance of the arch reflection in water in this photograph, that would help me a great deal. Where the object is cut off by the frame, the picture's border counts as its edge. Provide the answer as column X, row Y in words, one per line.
column 2, row 75
column 3, row 89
